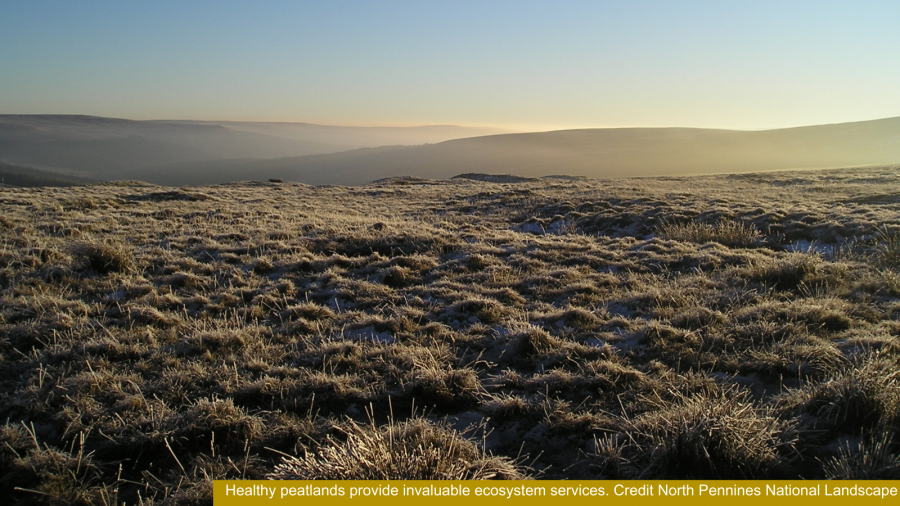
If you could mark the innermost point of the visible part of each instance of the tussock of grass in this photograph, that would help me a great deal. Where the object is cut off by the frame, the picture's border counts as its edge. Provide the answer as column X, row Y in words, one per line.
column 453, row 389
column 729, row 233
column 887, row 249
column 874, row 458
column 854, row 399
column 812, row 359
column 533, row 342
column 719, row 434
column 787, row 272
column 231, row 423
column 416, row 449
column 51, row 475
column 891, row 281
column 103, row 258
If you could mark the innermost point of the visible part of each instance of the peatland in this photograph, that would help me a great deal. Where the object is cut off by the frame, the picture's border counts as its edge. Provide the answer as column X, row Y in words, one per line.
column 153, row 339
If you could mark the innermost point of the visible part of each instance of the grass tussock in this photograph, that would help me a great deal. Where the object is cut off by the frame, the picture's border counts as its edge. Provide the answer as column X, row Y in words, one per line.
column 888, row 247
column 416, row 449
column 103, row 258
column 873, row 458
column 719, row 433
column 854, row 399
column 729, row 233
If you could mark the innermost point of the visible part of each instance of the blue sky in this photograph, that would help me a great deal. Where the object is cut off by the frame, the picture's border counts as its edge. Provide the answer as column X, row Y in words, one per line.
column 520, row 65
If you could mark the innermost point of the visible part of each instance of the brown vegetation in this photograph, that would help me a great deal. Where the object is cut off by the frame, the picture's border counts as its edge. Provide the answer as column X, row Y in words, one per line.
column 155, row 339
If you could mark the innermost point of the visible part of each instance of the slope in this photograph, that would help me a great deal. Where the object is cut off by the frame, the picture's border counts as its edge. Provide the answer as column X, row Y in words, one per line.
column 593, row 153
column 107, row 148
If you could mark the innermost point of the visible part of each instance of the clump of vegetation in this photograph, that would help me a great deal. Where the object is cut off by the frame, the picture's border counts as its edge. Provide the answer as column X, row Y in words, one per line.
column 887, row 249
column 533, row 342
column 873, row 458
column 103, row 258
column 730, row 233
column 56, row 476
column 719, row 434
column 854, row 399
column 416, row 449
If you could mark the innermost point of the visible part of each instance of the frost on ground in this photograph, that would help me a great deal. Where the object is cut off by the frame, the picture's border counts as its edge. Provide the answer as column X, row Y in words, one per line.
column 155, row 339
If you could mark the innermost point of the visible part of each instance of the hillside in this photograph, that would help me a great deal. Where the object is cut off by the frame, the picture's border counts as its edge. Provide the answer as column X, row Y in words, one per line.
column 665, row 151
column 17, row 175
column 595, row 153
column 108, row 148
column 192, row 153
column 154, row 339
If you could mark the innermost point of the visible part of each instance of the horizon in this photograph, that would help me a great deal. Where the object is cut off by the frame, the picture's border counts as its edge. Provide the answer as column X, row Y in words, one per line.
column 502, row 129
column 528, row 67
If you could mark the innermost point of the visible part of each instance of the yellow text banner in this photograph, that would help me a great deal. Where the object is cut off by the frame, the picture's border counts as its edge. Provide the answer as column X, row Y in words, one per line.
column 556, row 493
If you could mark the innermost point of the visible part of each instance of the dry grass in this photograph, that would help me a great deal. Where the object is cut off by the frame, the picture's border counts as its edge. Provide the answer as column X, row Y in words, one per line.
column 718, row 433
column 416, row 449
column 874, row 458
column 722, row 326
column 888, row 247
column 729, row 233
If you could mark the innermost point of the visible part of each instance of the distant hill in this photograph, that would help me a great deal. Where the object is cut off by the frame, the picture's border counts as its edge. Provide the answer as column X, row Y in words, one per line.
column 107, row 148
column 197, row 153
column 346, row 167
column 614, row 152
column 17, row 175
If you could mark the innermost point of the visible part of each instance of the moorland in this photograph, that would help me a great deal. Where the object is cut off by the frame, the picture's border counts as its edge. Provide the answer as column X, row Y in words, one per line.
column 153, row 339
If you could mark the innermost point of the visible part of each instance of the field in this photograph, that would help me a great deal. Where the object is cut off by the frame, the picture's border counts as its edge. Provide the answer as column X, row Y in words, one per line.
column 153, row 339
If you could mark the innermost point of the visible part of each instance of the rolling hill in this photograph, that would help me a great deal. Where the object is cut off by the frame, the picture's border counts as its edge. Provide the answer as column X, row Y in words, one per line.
column 21, row 176
column 107, row 148
column 595, row 153
column 199, row 153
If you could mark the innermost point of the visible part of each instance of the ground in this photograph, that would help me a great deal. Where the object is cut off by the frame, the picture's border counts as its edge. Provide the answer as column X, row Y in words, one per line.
column 736, row 326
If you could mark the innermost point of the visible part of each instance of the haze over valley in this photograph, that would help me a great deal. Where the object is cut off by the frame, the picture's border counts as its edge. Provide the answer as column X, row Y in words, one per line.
column 178, row 153
column 100, row 149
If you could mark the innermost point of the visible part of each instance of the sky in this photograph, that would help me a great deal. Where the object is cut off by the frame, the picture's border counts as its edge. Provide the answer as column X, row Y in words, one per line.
column 520, row 65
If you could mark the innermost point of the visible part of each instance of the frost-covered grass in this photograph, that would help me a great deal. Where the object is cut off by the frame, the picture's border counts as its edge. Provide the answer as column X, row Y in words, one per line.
column 639, row 328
